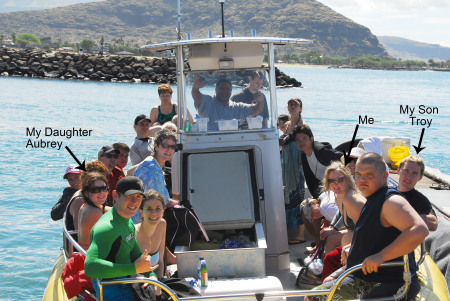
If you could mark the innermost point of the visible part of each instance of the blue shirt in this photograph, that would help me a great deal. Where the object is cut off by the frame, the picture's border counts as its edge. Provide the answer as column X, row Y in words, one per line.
column 212, row 108
column 152, row 175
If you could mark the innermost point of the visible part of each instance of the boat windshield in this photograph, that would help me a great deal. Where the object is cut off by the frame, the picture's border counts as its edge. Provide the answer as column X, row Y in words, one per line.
column 228, row 101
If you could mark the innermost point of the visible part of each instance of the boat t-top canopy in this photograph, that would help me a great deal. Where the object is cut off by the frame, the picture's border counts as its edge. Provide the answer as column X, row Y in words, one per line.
column 224, row 53
column 260, row 40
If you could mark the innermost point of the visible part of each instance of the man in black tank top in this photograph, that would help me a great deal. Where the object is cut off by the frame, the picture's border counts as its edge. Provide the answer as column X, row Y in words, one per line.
column 387, row 228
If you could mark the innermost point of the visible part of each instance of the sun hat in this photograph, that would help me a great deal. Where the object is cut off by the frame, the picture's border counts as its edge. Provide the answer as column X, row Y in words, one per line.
column 71, row 168
column 130, row 185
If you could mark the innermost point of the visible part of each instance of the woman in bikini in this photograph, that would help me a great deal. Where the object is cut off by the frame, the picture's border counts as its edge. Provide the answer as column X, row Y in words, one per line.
column 151, row 232
column 95, row 191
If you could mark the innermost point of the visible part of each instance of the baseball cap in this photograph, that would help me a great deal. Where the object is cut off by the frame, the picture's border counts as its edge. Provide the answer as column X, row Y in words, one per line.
column 356, row 152
column 107, row 149
column 130, row 185
column 71, row 168
column 140, row 118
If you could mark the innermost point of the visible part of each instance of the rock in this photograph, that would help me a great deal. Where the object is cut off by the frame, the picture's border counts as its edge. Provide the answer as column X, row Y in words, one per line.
column 52, row 74
column 103, row 68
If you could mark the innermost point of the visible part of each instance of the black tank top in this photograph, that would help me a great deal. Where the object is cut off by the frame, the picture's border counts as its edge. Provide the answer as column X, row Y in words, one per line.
column 370, row 237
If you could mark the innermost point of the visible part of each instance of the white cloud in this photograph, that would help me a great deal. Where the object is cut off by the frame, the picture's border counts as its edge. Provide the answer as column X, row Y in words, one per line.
column 437, row 21
column 418, row 20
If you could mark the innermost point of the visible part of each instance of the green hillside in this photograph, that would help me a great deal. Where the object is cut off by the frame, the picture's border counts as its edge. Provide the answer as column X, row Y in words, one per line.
column 144, row 20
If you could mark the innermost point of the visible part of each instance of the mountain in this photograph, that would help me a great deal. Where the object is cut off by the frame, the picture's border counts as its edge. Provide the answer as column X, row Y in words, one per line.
column 18, row 5
column 413, row 50
column 140, row 21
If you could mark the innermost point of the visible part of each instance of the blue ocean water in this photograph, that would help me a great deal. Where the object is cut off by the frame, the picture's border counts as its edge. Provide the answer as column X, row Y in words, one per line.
column 333, row 100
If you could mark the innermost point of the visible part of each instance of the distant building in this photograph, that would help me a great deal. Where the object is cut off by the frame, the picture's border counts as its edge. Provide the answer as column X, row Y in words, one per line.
column 67, row 49
column 6, row 43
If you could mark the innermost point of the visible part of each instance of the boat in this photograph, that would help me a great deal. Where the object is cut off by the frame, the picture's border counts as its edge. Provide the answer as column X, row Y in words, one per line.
column 228, row 171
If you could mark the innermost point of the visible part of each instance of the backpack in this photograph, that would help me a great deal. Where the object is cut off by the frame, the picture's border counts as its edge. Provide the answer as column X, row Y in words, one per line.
column 183, row 226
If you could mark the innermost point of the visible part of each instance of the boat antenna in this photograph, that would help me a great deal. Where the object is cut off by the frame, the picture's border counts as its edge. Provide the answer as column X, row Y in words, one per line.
column 179, row 22
column 223, row 26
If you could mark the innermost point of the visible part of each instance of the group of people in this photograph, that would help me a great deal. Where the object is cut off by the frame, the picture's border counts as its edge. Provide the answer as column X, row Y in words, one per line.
column 119, row 216
column 354, row 209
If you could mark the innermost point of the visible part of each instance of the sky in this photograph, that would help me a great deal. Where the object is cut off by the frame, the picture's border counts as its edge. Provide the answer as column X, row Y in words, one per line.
column 419, row 20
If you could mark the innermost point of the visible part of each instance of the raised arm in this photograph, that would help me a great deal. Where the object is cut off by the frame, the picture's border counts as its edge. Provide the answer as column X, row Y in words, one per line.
column 196, row 86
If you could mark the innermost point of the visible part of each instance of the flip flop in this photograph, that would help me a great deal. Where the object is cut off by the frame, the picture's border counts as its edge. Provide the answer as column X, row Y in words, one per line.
column 296, row 241
column 310, row 251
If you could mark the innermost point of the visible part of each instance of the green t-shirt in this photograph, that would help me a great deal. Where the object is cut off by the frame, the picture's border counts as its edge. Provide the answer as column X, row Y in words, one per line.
column 113, row 247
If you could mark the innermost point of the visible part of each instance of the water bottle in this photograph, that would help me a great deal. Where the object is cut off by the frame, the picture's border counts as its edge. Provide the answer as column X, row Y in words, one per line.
column 199, row 276
column 204, row 273
column 187, row 126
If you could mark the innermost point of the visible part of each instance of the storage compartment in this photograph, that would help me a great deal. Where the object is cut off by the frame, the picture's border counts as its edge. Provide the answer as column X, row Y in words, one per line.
column 221, row 185
column 225, row 263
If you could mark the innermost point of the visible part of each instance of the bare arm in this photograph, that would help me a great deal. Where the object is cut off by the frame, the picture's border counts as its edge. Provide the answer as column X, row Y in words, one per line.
column 154, row 115
column 196, row 86
column 354, row 204
column 398, row 213
column 258, row 101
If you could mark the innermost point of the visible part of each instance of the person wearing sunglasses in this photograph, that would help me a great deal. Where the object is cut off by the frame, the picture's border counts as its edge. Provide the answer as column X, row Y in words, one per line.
column 95, row 191
column 150, row 170
column 339, row 180
column 108, row 156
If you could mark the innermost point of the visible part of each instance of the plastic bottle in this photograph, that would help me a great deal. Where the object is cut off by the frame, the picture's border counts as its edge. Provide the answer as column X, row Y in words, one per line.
column 187, row 126
column 204, row 273
column 199, row 277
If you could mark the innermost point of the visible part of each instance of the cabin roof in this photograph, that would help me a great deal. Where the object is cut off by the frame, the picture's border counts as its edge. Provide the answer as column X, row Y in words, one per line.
column 260, row 40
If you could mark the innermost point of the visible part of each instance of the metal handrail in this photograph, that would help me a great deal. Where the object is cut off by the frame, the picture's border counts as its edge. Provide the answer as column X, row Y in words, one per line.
column 164, row 287
column 297, row 293
column 330, row 292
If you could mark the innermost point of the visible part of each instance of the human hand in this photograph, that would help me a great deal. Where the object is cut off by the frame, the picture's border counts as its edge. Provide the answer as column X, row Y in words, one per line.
column 344, row 254
column 198, row 82
column 371, row 263
column 142, row 264
column 326, row 231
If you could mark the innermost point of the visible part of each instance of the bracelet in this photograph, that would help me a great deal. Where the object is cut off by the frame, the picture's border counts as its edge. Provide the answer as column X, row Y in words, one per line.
column 153, row 274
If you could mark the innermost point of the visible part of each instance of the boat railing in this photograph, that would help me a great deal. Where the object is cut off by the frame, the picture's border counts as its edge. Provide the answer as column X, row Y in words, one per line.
column 282, row 294
column 70, row 244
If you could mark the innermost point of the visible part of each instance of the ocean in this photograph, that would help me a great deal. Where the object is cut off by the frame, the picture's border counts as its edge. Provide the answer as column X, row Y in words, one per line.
column 334, row 102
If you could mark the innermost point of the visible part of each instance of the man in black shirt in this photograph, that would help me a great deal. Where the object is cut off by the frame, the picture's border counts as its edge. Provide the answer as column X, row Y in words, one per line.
column 410, row 172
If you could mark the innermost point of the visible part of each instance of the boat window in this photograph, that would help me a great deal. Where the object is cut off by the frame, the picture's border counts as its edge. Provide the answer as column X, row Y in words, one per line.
column 228, row 101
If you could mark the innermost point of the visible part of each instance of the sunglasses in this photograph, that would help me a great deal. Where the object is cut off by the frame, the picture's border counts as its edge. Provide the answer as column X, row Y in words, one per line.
column 98, row 189
column 169, row 146
column 337, row 180
column 109, row 156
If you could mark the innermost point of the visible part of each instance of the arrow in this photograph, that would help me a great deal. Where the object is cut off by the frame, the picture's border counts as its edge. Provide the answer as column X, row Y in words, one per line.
column 81, row 166
column 347, row 158
column 418, row 148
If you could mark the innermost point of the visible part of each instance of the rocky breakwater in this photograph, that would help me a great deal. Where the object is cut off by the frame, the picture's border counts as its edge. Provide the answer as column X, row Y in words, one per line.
column 113, row 68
